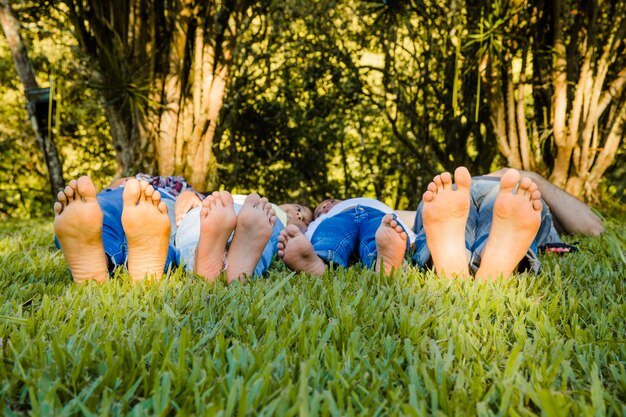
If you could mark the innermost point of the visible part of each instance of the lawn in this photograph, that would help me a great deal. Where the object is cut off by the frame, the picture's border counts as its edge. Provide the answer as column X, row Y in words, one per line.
column 349, row 343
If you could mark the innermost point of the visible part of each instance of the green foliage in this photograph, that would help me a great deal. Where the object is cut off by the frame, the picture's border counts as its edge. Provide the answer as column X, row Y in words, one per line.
column 351, row 98
column 81, row 132
column 349, row 343
column 327, row 98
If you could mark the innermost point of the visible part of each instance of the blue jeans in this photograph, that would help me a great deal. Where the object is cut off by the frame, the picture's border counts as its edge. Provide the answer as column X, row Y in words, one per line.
column 483, row 193
column 348, row 234
column 188, row 235
column 113, row 236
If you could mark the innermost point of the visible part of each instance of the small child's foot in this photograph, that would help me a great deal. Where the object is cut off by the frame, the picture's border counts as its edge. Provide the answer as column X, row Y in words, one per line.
column 390, row 244
column 516, row 220
column 147, row 228
column 255, row 222
column 217, row 221
column 297, row 252
column 78, row 226
column 444, row 215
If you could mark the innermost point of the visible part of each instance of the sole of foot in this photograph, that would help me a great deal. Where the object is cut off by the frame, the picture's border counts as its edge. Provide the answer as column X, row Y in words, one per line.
column 217, row 221
column 147, row 228
column 516, row 220
column 444, row 215
column 296, row 251
column 255, row 222
column 390, row 245
column 78, row 227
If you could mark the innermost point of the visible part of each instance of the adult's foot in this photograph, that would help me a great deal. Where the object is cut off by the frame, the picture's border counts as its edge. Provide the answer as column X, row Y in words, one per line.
column 78, row 226
column 444, row 215
column 516, row 220
column 255, row 222
column 390, row 244
column 147, row 228
column 296, row 250
column 217, row 221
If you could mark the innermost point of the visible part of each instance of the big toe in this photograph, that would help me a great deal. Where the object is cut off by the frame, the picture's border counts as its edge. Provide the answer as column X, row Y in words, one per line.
column 86, row 188
column 509, row 180
column 386, row 220
column 292, row 231
column 252, row 200
column 226, row 198
column 462, row 178
column 132, row 192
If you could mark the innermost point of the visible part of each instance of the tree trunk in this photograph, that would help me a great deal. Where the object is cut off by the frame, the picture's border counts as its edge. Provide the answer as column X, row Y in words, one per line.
column 24, row 68
column 559, row 106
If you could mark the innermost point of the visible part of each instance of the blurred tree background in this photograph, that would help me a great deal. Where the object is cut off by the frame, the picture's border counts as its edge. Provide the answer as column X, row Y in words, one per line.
column 303, row 100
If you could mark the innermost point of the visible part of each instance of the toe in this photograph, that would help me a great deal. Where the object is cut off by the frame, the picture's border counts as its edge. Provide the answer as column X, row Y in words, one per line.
column 509, row 180
column 217, row 199
column 227, row 199
column 446, row 179
column 156, row 197
column 149, row 192
column 428, row 196
column 432, row 187
column 210, row 201
column 462, row 178
column 162, row 207
column 69, row 192
column 86, row 189
column 252, row 200
column 58, row 208
column 132, row 192
column 438, row 182
column 524, row 186
column 292, row 230
column 62, row 198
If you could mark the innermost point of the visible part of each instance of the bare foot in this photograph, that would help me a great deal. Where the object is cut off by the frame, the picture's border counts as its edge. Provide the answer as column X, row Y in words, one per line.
column 255, row 222
column 78, row 226
column 390, row 244
column 217, row 221
column 444, row 215
column 516, row 220
column 147, row 228
column 297, row 252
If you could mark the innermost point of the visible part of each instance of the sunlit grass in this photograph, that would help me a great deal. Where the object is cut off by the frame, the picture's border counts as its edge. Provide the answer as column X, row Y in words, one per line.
column 351, row 342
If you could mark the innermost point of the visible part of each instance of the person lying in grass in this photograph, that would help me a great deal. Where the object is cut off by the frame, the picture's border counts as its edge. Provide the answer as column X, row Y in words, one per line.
column 126, row 224
column 492, row 225
column 208, row 245
column 359, row 227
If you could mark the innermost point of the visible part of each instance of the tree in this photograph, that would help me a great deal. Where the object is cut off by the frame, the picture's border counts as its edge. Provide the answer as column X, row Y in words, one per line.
column 555, row 73
column 40, row 105
column 162, row 67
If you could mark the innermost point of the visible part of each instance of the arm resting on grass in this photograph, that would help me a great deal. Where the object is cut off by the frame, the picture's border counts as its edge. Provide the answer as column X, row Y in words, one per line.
column 570, row 215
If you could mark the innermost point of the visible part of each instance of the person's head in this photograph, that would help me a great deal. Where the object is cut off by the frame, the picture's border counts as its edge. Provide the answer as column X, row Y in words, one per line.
column 325, row 206
column 297, row 214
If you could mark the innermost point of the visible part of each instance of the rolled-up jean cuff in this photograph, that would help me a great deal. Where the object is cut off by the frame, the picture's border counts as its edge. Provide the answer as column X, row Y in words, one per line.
column 421, row 257
column 329, row 256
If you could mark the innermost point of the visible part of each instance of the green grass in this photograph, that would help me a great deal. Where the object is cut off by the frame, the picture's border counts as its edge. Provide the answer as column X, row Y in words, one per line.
column 352, row 342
